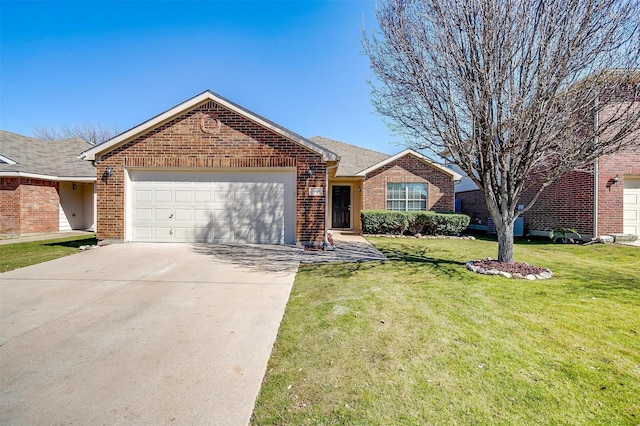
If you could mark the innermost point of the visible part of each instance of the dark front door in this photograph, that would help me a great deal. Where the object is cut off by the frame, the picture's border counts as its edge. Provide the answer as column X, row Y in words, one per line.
column 341, row 207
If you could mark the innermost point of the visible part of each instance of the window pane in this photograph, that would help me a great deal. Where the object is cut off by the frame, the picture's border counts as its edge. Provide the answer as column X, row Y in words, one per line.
column 417, row 191
column 396, row 205
column 406, row 196
column 416, row 205
column 395, row 191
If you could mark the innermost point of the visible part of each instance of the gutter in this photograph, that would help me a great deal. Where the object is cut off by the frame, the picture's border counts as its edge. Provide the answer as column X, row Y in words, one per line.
column 47, row 177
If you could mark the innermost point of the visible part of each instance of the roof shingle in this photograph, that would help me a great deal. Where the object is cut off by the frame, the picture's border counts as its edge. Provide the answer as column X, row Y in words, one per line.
column 353, row 159
column 55, row 159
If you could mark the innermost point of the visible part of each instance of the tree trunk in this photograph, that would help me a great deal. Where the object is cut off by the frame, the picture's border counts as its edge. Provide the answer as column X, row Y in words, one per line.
column 504, row 229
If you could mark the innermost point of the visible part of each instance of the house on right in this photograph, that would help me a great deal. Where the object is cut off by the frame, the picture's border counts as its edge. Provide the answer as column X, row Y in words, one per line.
column 601, row 199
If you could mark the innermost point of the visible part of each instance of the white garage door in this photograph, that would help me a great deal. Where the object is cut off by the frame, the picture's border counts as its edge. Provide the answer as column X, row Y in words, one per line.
column 248, row 207
column 631, row 214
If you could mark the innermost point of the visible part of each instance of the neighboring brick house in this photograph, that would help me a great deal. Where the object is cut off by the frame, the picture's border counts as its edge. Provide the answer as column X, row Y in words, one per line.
column 210, row 170
column 44, row 187
column 602, row 200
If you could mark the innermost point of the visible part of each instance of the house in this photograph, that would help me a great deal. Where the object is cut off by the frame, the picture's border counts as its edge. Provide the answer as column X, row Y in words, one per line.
column 370, row 180
column 44, row 187
column 601, row 200
column 211, row 170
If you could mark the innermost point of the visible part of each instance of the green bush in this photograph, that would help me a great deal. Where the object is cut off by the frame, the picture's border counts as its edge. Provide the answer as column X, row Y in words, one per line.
column 423, row 222
column 383, row 222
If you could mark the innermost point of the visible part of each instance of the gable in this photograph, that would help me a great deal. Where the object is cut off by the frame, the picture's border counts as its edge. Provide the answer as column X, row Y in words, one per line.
column 221, row 116
column 407, row 157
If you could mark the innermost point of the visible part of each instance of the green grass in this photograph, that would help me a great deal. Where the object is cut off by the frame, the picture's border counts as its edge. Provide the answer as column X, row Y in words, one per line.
column 19, row 255
column 420, row 340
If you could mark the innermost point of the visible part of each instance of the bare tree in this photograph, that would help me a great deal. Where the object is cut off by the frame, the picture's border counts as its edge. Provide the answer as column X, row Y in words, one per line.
column 92, row 133
column 509, row 89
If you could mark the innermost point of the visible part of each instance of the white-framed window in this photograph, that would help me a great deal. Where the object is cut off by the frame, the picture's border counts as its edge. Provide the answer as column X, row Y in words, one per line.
column 406, row 196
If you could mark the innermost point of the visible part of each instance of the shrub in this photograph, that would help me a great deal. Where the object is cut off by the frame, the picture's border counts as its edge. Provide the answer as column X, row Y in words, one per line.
column 383, row 222
column 446, row 224
column 423, row 222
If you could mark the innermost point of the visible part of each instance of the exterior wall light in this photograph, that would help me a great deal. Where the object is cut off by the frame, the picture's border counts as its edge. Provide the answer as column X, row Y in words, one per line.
column 616, row 179
column 310, row 171
column 107, row 174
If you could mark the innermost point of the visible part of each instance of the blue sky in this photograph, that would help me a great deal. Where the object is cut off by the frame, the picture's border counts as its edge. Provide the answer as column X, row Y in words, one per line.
column 118, row 63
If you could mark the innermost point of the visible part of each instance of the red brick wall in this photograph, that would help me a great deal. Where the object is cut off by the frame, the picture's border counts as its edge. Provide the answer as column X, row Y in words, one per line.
column 474, row 205
column 567, row 203
column 28, row 206
column 9, row 206
column 181, row 143
column 440, row 195
column 610, row 194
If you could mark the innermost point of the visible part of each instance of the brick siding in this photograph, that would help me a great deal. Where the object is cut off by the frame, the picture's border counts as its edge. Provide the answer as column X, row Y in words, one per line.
column 28, row 206
column 473, row 204
column 240, row 143
column 409, row 169
column 569, row 202
column 610, row 194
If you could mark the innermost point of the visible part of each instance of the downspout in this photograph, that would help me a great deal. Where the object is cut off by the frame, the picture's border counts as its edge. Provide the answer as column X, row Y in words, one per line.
column 326, row 207
column 595, row 175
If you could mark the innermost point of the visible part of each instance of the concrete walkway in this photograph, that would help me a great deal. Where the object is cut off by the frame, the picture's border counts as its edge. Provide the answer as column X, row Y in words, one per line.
column 141, row 334
column 42, row 237
column 349, row 247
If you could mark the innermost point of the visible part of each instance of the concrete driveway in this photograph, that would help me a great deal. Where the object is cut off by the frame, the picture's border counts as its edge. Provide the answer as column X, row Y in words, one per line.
column 144, row 334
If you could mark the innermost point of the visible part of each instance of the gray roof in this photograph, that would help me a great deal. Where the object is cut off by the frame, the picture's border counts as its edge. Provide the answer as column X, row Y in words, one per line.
column 54, row 159
column 353, row 159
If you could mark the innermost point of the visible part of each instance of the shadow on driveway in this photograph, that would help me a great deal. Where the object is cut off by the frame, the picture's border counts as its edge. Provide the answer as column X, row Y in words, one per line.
column 261, row 257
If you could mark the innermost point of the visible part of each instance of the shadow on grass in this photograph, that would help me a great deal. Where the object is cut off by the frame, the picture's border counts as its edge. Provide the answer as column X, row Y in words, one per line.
column 529, row 240
column 340, row 269
column 91, row 241
column 448, row 267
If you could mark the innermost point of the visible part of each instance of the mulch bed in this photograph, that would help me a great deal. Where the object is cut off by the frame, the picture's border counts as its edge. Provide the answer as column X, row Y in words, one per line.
column 509, row 270
column 512, row 268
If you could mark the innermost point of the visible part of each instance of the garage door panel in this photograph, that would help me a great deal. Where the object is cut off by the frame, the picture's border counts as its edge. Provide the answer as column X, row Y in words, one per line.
column 144, row 213
column 242, row 200
column 183, row 215
column 202, row 234
column 162, row 214
column 202, row 215
column 182, row 234
column 163, row 233
column 243, row 235
column 162, row 196
column 222, row 235
column 182, row 196
column 213, row 207
column 143, row 232
column 222, row 218
column 144, row 196
column 202, row 196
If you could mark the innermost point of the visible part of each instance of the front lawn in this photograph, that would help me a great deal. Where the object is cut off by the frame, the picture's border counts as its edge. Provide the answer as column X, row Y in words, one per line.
column 420, row 340
column 19, row 255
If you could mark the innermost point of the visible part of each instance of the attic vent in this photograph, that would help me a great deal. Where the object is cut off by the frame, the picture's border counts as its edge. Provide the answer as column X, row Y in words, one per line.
column 210, row 125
